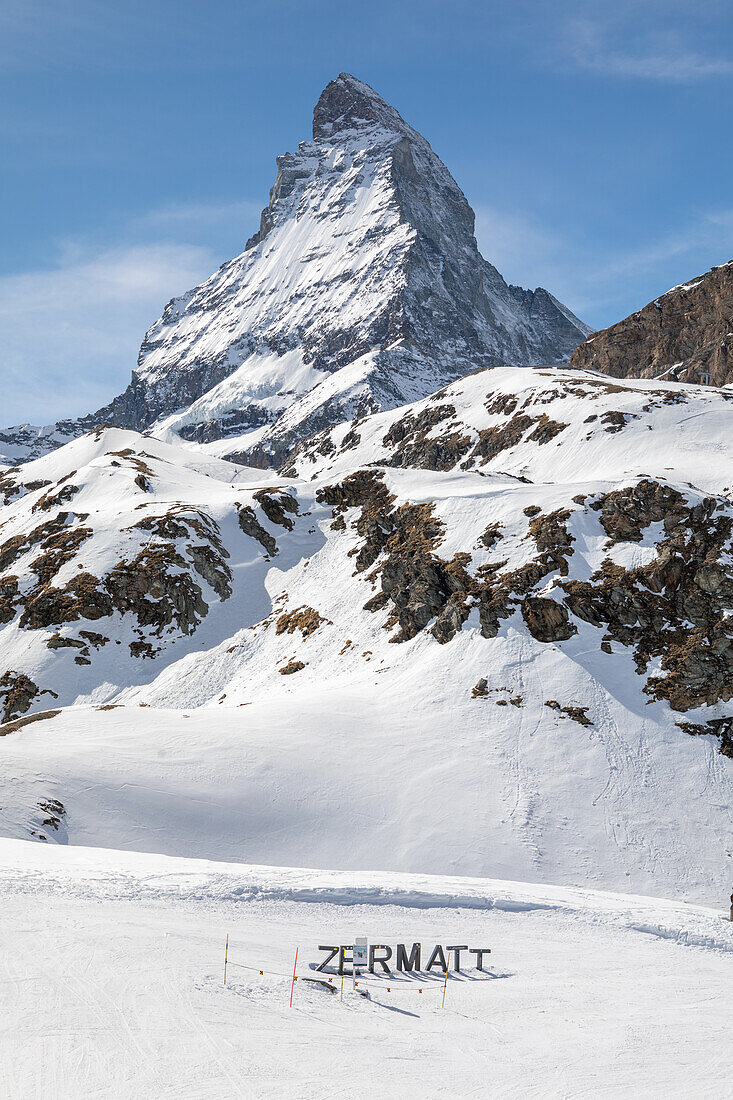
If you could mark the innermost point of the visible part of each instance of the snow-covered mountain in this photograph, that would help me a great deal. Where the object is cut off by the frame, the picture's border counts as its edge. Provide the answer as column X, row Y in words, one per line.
column 362, row 290
column 503, row 610
column 488, row 633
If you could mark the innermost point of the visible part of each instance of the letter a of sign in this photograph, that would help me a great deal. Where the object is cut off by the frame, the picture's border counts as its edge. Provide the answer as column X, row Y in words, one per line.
column 437, row 954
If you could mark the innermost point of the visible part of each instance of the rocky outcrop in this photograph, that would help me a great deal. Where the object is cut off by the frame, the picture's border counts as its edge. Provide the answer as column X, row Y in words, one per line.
column 676, row 609
column 251, row 526
column 305, row 619
column 423, row 589
column 17, row 694
column 672, row 613
column 577, row 714
column 291, row 667
column 18, row 723
column 685, row 335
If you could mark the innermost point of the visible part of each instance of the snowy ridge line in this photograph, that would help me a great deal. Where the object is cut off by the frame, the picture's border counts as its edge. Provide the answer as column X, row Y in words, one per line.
column 26, row 868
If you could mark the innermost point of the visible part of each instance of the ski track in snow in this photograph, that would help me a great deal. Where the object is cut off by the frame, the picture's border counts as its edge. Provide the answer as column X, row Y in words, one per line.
column 112, row 985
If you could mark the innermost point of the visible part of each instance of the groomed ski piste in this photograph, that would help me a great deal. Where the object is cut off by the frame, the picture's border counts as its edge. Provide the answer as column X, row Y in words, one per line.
column 112, row 984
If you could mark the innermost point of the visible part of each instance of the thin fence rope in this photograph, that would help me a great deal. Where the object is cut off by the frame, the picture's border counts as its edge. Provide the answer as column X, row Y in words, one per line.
column 400, row 985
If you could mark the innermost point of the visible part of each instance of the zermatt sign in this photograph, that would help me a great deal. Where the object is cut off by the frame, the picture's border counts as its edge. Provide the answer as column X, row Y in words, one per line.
column 380, row 955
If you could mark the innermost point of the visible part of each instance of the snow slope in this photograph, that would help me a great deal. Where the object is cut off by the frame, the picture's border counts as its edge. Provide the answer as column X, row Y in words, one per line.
column 334, row 703
column 598, row 428
column 112, row 984
column 351, row 773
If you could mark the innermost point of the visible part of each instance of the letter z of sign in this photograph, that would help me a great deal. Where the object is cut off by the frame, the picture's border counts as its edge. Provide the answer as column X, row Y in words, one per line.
column 333, row 951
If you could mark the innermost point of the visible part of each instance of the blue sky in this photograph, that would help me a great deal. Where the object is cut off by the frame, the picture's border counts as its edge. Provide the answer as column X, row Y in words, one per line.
column 593, row 140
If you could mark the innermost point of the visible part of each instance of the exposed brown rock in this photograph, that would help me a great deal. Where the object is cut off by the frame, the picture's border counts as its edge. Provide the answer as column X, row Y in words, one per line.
column 491, row 535
column 9, row 598
column 276, row 503
column 57, row 642
column 546, row 430
column 81, row 598
column 18, row 723
column 577, row 714
column 58, row 549
column 718, row 727
column 14, row 547
column 422, row 587
column 546, row 620
column 304, row 619
column 251, row 526
column 492, row 441
column 614, row 421
column 684, row 335
column 155, row 587
column 409, row 436
column 676, row 607
column 17, row 693
column 135, row 460
column 52, row 807
column 626, row 513
column 502, row 404
column 291, row 667
column 54, row 500
column 208, row 561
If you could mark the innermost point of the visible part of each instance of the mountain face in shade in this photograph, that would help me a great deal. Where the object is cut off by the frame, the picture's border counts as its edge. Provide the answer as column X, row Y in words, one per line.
column 362, row 289
column 685, row 335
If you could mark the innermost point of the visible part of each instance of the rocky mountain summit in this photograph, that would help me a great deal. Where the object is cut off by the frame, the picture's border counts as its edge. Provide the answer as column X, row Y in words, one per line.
column 684, row 335
column 362, row 289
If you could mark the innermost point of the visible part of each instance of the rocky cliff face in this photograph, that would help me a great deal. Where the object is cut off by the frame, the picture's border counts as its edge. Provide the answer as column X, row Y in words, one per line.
column 686, row 335
column 362, row 289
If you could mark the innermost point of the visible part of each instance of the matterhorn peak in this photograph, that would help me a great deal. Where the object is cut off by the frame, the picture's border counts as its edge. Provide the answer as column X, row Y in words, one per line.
column 349, row 104
column 363, row 289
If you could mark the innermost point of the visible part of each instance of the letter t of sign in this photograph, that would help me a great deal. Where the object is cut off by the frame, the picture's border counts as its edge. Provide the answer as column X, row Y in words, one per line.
column 479, row 952
column 457, row 948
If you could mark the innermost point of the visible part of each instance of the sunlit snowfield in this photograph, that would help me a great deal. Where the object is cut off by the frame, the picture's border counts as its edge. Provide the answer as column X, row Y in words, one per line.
column 112, row 985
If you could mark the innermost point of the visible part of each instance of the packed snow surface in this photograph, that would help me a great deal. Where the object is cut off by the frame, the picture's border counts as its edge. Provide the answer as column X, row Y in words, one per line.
column 112, row 984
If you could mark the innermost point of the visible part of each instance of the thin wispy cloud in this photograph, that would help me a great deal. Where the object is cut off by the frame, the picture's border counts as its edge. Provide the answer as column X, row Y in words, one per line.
column 70, row 333
column 614, row 284
column 620, row 43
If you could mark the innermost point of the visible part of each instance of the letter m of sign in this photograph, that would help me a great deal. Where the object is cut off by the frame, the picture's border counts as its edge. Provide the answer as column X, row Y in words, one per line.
column 408, row 962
